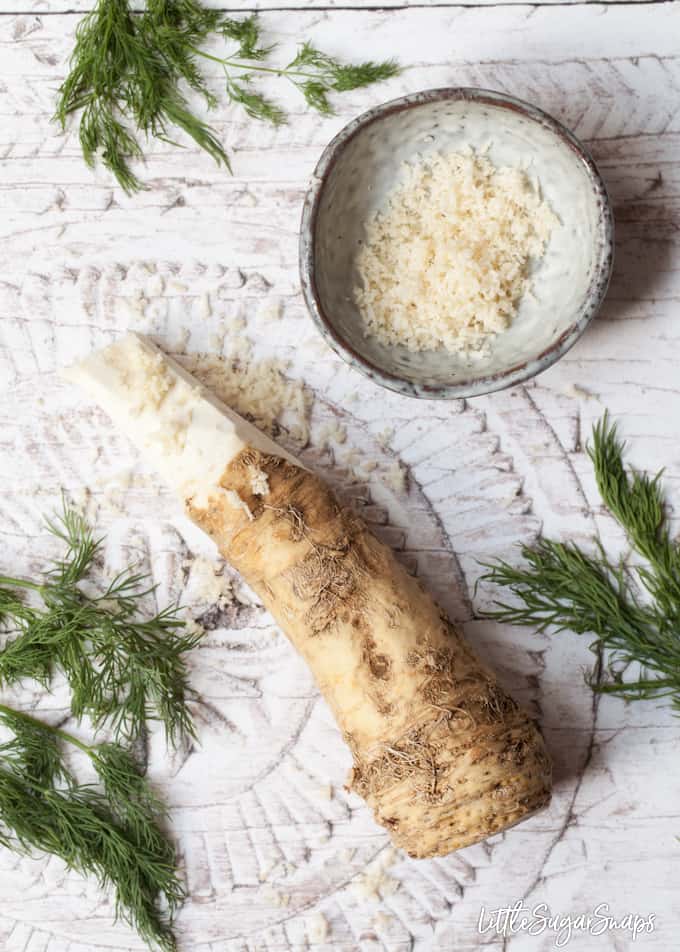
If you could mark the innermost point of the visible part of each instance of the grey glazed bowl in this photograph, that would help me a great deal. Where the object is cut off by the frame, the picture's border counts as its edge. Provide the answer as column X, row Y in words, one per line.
column 364, row 162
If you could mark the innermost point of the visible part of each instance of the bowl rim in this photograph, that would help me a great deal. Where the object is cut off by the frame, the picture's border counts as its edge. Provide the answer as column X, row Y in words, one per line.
column 477, row 385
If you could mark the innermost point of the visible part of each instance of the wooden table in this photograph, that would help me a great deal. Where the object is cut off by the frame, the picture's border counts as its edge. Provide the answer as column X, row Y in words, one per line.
column 278, row 856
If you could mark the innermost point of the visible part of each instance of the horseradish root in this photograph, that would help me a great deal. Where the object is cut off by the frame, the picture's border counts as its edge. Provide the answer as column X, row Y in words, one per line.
column 441, row 754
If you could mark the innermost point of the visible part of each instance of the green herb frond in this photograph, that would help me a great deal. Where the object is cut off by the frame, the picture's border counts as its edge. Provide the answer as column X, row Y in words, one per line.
column 14, row 612
column 126, row 70
column 316, row 74
column 316, row 96
column 114, row 833
column 126, row 74
column 81, row 547
column 132, row 801
column 32, row 751
column 175, row 27
column 76, row 825
column 123, row 669
column 105, row 60
column 631, row 611
column 255, row 104
column 358, row 75
column 246, row 33
column 333, row 74
column 636, row 501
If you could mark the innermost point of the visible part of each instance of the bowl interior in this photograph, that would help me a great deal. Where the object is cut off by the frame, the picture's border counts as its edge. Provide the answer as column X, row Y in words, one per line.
column 370, row 163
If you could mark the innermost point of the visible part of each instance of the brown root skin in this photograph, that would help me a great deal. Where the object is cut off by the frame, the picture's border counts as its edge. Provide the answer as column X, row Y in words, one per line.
column 441, row 754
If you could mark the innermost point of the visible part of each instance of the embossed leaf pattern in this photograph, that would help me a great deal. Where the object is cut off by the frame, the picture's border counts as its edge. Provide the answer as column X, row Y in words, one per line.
column 277, row 855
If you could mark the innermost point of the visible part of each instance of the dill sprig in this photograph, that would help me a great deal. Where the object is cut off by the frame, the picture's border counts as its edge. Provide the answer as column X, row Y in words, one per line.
column 316, row 74
column 126, row 69
column 632, row 610
column 123, row 670
column 126, row 73
column 113, row 833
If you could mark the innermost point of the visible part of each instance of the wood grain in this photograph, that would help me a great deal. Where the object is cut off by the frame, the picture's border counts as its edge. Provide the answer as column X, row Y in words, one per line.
column 269, row 837
column 51, row 7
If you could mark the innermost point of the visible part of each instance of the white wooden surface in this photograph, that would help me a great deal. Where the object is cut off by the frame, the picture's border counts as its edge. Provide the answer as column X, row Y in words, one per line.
column 271, row 842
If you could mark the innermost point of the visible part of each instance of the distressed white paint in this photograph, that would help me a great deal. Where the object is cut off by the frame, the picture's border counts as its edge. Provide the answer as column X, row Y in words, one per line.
column 265, row 847
column 81, row 6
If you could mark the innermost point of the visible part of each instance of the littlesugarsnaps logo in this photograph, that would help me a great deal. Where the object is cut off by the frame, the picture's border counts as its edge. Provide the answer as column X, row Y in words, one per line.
column 511, row 920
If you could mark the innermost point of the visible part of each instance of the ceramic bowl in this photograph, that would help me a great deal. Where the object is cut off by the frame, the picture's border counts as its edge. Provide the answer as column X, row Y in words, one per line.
column 365, row 161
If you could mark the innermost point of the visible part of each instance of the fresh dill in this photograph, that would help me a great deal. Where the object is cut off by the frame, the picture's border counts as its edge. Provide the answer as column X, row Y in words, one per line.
column 123, row 669
column 112, row 831
column 126, row 74
column 124, row 69
column 633, row 611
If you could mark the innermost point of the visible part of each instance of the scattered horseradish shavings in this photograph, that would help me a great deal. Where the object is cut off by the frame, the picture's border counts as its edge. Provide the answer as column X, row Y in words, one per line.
column 258, row 390
column 375, row 882
column 317, row 928
column 446, row 262
column 206, row 583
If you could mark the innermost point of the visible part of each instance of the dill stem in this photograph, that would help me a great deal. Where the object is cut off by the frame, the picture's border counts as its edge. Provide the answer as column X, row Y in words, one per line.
column 20, row 583
column 43, row 725
column 251, row 67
